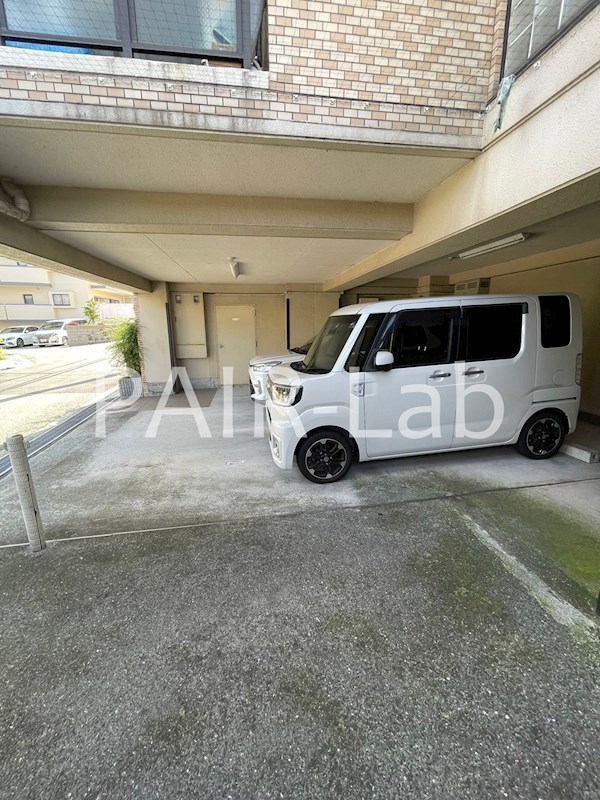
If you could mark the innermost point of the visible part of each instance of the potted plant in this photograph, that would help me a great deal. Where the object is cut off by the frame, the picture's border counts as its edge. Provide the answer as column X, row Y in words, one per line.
column 125, row 351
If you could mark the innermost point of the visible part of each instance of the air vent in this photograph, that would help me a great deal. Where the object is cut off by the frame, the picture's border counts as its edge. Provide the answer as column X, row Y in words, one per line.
column 476, row 286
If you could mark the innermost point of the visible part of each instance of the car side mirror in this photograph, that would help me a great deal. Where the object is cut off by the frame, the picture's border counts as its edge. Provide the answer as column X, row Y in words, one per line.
column 384, row 359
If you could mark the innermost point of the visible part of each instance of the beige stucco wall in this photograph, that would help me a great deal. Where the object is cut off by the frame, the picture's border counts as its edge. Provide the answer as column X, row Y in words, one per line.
column 270, row 330
column 152, row 319
column 307, row 314
column 583, row 279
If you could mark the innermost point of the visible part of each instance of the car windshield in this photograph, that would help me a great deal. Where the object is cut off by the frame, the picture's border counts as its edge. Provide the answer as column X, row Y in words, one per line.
column 328, row 345
column 50, row 326
column 304, row 348
column 12, row 330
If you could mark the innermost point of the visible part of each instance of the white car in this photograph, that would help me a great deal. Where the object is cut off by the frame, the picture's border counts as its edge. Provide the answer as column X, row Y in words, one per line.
column 429, row 375
column 259, row 367
column 55, row 331
column 17, row 336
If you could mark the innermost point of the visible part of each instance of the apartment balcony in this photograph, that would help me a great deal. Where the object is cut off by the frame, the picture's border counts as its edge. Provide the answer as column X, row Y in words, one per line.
column 26, row 312
column 23, row 276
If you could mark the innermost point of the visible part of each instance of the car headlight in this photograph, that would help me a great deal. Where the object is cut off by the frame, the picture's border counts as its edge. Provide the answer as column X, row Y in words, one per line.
column 265, row 366
column 284, row 395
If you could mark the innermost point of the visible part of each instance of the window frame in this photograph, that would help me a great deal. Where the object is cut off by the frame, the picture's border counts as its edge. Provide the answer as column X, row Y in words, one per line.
column 27, row 302
column 126, row 43
column 560, row 32
column 68, row 295
column 388, row 325
column 462, row 341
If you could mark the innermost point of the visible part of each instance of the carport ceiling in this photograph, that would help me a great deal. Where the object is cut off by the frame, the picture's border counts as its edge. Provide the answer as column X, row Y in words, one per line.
column 148, row 160
column 185, row 258
column 575, row 227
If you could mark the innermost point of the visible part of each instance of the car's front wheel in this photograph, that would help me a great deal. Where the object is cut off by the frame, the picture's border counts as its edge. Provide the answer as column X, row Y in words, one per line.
column 65, row 341
column 20, row 343
column 325, row 456
column 542, row 435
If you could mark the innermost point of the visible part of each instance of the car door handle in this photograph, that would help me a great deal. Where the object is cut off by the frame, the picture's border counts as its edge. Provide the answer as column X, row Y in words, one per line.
column 441, row 375
column 474, row 372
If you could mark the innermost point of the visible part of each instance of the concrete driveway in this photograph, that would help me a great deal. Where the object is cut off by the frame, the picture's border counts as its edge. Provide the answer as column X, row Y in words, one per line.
column 423, row 629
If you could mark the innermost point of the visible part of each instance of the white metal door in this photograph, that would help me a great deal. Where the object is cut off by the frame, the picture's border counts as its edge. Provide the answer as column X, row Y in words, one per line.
column 236, row 340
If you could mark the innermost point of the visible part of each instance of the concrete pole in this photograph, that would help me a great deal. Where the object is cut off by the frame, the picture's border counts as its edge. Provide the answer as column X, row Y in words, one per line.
column 31, row 513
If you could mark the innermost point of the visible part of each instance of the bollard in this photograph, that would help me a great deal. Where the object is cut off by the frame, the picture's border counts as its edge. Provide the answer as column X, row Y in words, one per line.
column 31, row 513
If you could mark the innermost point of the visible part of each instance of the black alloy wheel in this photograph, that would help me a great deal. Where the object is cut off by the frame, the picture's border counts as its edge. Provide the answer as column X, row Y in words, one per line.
column 542, row 435
column 325, row 457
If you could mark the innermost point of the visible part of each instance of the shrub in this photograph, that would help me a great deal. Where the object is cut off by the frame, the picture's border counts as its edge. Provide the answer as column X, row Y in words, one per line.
column 91, row 310
column 124, row 347
column 2, row 353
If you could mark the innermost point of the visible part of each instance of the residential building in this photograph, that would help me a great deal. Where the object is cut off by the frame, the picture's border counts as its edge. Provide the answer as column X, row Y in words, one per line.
column 245, row 166
column 31, row 295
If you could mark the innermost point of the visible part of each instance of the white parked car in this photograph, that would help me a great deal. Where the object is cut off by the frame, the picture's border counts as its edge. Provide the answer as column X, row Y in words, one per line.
column 17, row 336
column 429, row 375
column 259, row 367
column 55, row 331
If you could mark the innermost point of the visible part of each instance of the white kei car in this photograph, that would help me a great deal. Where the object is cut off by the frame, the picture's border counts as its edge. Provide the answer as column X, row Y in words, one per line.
column 259, row 367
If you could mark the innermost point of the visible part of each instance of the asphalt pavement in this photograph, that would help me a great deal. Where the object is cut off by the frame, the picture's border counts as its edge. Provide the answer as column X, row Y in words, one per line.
column 49, row 383
column 347, row 654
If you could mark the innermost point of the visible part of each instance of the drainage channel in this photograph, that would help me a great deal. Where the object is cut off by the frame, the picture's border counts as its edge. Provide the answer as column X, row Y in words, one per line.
column 38, row 443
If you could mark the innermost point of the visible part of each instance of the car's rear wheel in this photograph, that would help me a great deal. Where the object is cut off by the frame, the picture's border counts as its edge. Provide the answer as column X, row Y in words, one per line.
column 542, row 435
column 20, row 343
column 325, row 456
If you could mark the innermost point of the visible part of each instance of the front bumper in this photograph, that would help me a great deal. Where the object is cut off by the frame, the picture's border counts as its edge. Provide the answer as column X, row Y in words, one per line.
column 283, row 438
column 258, row 386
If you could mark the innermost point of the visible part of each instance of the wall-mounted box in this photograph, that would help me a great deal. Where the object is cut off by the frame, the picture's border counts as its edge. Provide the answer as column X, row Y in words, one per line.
column 189, row 325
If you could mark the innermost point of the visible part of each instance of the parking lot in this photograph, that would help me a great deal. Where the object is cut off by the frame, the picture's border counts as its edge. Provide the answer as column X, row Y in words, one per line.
column 422, row 629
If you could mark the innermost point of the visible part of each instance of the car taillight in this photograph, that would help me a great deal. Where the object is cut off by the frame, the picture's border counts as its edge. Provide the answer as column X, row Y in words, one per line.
column 578, row 369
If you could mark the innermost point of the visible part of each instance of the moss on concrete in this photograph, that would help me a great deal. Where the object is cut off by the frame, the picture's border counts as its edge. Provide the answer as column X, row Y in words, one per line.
column 560, row 536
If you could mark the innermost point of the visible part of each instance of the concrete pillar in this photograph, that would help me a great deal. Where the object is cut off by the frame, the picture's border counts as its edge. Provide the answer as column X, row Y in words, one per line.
column 151, row 315
column 31, row 513
column 434, row 286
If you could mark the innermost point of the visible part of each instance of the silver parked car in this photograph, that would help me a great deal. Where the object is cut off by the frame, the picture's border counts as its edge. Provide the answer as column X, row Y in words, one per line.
column 17, row 336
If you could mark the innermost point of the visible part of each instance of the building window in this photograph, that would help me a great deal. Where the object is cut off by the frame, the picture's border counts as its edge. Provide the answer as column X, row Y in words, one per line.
column 28, row 299
column 534, row 25
column 59, row 299
column 165, row 30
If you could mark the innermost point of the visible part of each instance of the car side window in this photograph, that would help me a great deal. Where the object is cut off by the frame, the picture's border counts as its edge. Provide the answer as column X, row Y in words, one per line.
column 362, row 346
column 491, row 332
column 422, row 337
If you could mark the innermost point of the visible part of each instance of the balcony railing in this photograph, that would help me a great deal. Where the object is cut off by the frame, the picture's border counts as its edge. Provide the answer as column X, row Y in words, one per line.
column 23, row 276
column 25, row 312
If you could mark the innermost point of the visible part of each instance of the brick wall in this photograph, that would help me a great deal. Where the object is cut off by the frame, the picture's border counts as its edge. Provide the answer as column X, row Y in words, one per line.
column 370, row 64
column 431, row 53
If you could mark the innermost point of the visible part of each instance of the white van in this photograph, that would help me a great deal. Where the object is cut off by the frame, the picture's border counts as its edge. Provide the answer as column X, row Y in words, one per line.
column 55, row 331
column 408, row 377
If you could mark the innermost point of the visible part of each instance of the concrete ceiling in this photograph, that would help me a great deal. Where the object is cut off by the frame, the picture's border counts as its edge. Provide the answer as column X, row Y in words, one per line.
column 184, row 258
column 90, row 156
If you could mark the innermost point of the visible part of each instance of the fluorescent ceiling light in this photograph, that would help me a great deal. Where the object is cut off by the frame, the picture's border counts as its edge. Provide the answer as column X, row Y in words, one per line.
column 491, row 246
column 234, row 266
